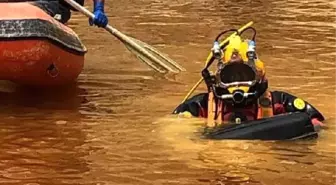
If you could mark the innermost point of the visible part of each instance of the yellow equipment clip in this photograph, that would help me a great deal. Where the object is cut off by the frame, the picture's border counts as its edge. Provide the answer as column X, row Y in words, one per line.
column 299, row 104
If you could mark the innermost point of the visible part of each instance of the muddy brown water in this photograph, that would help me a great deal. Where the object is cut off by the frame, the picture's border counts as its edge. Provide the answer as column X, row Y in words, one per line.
column 113, row 126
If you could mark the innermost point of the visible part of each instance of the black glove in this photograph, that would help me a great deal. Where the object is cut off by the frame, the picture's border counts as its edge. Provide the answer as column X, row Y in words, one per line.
column 209, row 80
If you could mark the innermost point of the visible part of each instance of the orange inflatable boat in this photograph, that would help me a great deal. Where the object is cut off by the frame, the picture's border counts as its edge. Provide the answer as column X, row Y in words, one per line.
column 36, row 49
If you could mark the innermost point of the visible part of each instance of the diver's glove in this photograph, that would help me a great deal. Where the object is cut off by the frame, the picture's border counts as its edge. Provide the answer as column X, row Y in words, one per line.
column 208, row 78
column 317, row 124
column 100, row 18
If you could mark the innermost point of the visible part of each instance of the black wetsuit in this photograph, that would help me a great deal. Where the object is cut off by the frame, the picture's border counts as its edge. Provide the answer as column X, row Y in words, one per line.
column 58, row 7
column 282, row 102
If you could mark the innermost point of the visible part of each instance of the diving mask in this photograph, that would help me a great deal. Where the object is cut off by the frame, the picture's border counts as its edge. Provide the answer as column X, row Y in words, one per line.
column 235, row 82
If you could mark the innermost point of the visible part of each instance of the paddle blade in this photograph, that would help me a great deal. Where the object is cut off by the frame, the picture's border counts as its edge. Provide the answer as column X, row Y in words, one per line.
column 164, row 58
column 146, row 60
column 152, row 57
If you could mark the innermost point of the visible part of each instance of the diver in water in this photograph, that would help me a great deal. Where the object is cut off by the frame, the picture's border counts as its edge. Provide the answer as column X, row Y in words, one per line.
column 238, row 90
column 61, row 11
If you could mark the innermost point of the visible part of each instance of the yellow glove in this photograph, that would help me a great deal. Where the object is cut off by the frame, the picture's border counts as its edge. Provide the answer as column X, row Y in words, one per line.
column 185, row 114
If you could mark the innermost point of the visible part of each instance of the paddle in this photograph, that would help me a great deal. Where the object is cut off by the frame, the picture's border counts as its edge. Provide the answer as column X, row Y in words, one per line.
column 146, row 53
column 210, row 57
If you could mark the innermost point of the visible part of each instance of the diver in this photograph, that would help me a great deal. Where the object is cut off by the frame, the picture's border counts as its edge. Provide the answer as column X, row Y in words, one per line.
column 61, row 11
column 238, row 90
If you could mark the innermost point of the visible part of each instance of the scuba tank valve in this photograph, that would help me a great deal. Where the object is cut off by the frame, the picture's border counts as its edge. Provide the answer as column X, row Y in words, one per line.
column 217, row 53
column 216, row 50
column 251, row 54
column 251, row 46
